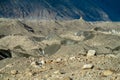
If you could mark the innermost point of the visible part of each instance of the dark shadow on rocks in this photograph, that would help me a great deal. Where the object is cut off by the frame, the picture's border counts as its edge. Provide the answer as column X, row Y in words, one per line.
column 99, row 29
column 5, row 54
column 18, row 51
column 1, row 36
column 29, row 29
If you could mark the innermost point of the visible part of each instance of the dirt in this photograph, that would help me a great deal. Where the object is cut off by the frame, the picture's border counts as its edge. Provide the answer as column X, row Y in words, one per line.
column 57, row 53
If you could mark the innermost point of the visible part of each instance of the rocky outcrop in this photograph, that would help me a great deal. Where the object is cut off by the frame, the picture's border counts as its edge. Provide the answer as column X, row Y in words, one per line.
column 67, row 9
column 14, row 27
column 20, row 46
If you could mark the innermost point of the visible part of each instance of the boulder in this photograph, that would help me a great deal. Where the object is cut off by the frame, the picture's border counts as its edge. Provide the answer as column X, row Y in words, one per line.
column 20, row 46
column 86, row 34
column 52, row 49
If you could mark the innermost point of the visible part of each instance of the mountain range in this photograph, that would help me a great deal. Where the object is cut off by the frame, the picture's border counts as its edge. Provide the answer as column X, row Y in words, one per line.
column 89, row 10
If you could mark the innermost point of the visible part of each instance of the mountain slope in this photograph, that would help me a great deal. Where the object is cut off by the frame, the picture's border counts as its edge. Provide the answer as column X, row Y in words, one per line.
column 91, row 10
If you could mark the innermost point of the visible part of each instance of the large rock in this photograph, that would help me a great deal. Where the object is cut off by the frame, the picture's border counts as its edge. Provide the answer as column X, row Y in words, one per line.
column 52, row 49
column 20, row 46
column 86, row 34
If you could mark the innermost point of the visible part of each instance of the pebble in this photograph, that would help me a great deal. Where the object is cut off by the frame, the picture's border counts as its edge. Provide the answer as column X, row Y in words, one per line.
column 42, row 62
column 62, row 72
column 58, row 60
column 107, row 73
column 88, row 66
column 72, row 58
column 57, row 72
column 91, row 53
column 14, row 72
column 9, row 65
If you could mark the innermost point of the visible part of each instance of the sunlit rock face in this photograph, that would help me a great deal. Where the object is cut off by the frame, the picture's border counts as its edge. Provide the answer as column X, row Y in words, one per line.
column 91, row 10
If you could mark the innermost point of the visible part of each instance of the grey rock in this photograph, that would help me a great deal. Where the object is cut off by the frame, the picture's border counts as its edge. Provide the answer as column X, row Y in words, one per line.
column 52, row 49
column 86, row 34
column 68, row 42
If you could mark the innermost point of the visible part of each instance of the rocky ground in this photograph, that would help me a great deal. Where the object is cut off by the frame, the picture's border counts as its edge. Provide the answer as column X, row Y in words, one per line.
column 59, row 50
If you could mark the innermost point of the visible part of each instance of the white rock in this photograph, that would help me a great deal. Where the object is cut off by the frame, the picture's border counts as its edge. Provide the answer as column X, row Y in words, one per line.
column 107, row 73
column 72, row 58
column 42, row 62
column 56, row 72
column 58, row 60
column 91, row 53
column 88, row 66
column 14, row 72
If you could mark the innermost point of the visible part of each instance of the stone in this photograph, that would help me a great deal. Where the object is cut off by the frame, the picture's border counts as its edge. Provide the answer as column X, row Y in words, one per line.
column 57, row 72
column 87, row 34
column 42, row 62
column 91, row 53
column 107, row 73
column 52, row 49
column 58, row 60
column 72, row 58
column 62, row 72
column 88, row 66
column 14, row 72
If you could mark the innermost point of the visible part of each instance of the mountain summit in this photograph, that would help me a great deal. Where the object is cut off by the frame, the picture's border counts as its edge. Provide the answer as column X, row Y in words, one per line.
column 90, row 10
